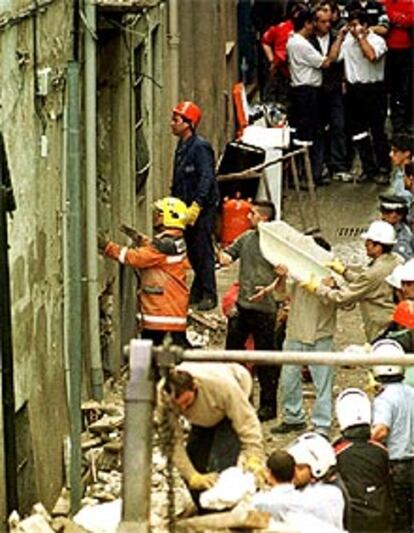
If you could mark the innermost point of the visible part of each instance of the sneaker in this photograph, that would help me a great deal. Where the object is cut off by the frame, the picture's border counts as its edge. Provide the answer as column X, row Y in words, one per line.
column 266, row 412
column 207, row 303
column 346, row 177
column 283, row 427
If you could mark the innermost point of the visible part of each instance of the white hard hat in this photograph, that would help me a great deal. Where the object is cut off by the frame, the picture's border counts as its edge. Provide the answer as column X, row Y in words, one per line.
column 407, row 271
column 394, row 279
column 352, row 408
column 380, row 231
column 387, row 347
column 315, row 451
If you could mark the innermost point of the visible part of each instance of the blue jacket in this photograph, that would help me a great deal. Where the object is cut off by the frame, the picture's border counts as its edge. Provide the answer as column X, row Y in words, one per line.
column 194, row 179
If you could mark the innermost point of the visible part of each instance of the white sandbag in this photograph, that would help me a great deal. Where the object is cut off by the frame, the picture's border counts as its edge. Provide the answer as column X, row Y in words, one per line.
column 232, row 485
column 100, row 518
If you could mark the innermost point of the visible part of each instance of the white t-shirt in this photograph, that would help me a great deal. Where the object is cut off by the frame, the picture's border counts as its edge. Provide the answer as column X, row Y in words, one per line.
column 358, row 69
column 284, row 503
column 324, row 43
column 304, row 62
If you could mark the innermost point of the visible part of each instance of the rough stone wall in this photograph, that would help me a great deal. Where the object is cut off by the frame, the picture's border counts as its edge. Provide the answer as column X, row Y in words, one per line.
column 35, row 233
column 207, row 73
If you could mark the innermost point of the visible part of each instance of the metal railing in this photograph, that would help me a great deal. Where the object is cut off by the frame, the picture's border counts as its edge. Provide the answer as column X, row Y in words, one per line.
column 140, row 401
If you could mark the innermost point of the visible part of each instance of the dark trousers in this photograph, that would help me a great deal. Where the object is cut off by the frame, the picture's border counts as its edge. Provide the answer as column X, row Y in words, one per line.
column 200, row 250
column 304, row 117
column 399, row 75
column 261, row 326
column 402, row 475
column 157, row 337
column 368, row 111
column 212, row 449
column 333, row 147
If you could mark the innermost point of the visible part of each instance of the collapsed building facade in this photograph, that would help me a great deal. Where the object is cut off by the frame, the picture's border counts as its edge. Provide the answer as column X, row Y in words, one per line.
column 86, row 91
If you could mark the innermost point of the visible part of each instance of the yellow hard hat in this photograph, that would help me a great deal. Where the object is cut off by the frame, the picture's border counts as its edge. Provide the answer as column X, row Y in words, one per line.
column 174, row 212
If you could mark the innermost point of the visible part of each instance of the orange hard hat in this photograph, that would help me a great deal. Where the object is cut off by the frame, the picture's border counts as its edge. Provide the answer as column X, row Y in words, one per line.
column 189, row 111
column 404, row 314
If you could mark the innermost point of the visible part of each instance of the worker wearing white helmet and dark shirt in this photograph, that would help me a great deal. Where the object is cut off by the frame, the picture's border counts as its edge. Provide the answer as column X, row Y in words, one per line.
column 394, row 210
column 367, row 287
column 363, row 464
column 393, row 424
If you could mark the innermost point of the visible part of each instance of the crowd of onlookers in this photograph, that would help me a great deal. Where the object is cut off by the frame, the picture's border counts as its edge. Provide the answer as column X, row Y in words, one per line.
column 339, row 68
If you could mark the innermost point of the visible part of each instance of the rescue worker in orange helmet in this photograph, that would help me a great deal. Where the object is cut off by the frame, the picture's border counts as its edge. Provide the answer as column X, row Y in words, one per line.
column 162, row 264
column 194, row 182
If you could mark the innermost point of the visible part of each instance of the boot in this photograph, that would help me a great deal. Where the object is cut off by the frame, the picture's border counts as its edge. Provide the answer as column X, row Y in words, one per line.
column 266, row 412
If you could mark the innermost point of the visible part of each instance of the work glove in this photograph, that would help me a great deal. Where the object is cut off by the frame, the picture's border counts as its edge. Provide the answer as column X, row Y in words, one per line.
column 103, row 241
column 256, row 466
column 203, row 481
column 311, row 285
column 336, row 266
column 137, row 238
column 193, row 213
column 373, row 387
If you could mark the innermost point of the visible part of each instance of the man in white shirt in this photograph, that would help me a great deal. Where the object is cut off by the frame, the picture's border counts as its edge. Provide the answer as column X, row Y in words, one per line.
column 363, row 52
column 305, row 64
column 313, row 459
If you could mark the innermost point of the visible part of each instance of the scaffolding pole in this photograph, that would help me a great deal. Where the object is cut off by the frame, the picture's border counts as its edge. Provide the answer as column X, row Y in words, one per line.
column 264, row 357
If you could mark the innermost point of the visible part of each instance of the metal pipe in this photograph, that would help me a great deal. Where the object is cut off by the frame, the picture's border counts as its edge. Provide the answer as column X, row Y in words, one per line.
column 139, row 404
column 74, row 294
column 311, row 187
column 6, row 356
column 174, row 45
column 263, row 357
column 92, row 203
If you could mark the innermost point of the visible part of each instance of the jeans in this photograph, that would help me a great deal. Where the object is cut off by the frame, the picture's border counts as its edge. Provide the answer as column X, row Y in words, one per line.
column 322, row 377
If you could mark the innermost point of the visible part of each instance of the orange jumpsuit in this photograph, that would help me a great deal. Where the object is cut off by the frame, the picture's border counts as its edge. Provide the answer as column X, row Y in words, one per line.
column 164, row 293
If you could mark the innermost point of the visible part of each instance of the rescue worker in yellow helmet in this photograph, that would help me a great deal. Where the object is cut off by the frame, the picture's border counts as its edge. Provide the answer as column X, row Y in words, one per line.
column 194, row 182
column 162, row 264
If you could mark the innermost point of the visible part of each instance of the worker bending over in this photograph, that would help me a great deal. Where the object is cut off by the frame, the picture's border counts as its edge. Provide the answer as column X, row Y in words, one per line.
column 225, row 430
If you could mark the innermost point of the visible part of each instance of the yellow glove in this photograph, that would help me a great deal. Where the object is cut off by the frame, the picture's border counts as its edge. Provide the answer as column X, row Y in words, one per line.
column 192, row 213
column 256, row 466
column 372, row 387
column 203, row 481
column 336, row 266
column 311, row 285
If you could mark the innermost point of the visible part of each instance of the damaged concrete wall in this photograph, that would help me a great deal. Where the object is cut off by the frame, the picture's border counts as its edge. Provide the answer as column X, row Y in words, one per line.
column 133, row 124
column 134, row 102
column 208, row 64
column 35, row 237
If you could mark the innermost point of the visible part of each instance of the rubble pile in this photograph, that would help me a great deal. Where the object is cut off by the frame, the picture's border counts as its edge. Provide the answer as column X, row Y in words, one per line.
column 102, row 445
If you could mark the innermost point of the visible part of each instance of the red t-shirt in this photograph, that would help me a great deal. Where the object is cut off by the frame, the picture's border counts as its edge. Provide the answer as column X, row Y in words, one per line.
column 401, row 15
column 277, row 37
